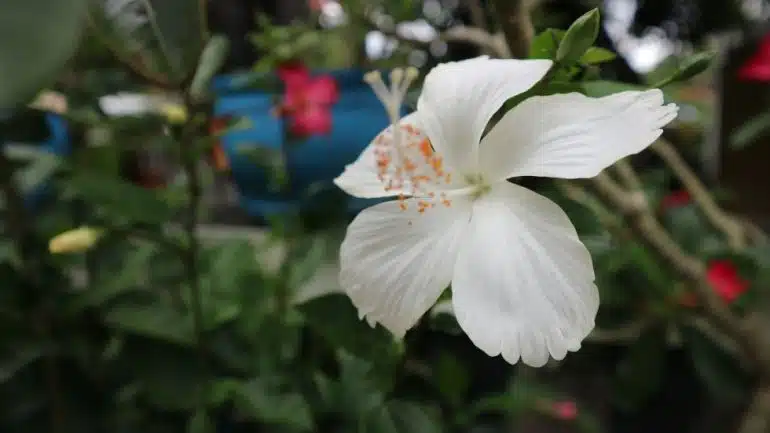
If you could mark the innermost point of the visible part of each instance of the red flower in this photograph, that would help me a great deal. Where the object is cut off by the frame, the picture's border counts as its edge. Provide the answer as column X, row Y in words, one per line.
column 316, row 5
column 307, row 100
column 725, row 281
column 564, row 410
column 675, row 199
column 757, row 68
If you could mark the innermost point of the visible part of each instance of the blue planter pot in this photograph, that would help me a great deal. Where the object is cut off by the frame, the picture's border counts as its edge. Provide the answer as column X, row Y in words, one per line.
column 57, row 143
column 312, row 164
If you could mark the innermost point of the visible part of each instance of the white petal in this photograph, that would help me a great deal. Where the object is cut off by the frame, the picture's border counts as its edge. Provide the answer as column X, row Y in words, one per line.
column 394, row 264
column 573, row 136
column 459, row 98
column 523, row 284
column 361, row 178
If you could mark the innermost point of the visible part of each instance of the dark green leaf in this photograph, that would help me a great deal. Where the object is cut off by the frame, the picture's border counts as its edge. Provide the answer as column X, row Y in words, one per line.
column 260, row 402
column 401, row 417
column 334, row 318
column 37, row 172
column 156, row 321
column 200, row 422
column 596, row 55
column 694, row 65
column 39, row 36
column 723, row 376
column 119, row 199
column 451, row 378
column 580, row 36
column 160, row 39
column 639, row 374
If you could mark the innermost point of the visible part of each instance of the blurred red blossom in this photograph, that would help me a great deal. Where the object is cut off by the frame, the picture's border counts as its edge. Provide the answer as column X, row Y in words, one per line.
column 757, row 68
column 564, row 410
column 724, row 279
column 307, row 100
column 675, row 199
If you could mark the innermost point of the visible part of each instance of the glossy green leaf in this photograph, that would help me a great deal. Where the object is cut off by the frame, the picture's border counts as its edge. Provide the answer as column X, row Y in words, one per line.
column 39, row 37
column 580, row 36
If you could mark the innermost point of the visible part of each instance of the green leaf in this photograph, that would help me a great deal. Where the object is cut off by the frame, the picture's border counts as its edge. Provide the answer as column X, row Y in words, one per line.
column 580, row 36
column 160, row 39
column 211, row 61
column 156, row 321
column 257, row 400
column 639, row 374
column 545, row 44
column 596, row 55
column 451, row 378
column 334, row 318
column 723, row 376
column 119, row 199
column 401, row 417
column 694, row 65
column 750, row 131
column 105, row 288
column 39, row 36
column 599, row 88
column 689, row 68
column 200, row 422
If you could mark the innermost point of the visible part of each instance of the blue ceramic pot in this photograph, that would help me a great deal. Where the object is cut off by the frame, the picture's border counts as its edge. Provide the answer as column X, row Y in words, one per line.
column 57, row 143
column 313, row 163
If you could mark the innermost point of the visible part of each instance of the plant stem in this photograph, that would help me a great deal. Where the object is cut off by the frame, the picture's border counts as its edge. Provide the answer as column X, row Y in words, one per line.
column 190, row 254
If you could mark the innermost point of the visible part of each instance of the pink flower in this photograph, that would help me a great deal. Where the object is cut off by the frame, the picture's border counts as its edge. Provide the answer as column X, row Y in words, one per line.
column 757, row 68
column 316, row 5
column 307, row 100
column 564, row 410
column 675, row 199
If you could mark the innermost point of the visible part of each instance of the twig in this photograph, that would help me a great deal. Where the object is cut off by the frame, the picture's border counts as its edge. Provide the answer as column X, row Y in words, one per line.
column 757, row 417
column 733, row 229
column 478, row 16
column 627, row 175
column 644, row 223
column 624, row 334
column 517, row 26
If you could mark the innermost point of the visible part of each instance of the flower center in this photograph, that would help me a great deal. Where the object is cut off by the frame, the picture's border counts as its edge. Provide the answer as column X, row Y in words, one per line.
column 404, row 156
column 479, row 185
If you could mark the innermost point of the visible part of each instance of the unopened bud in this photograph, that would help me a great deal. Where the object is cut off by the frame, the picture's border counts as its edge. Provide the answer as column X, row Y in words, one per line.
column 74, row 241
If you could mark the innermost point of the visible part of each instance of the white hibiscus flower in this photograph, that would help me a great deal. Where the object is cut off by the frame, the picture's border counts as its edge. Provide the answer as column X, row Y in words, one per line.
column 522, row 282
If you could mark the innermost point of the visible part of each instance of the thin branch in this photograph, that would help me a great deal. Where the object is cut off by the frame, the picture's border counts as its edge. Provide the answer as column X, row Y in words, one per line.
column 733, row 229
column 644, row 223
column 627, row 175
column 757, row 417
column 517, row 26
column 624, row 334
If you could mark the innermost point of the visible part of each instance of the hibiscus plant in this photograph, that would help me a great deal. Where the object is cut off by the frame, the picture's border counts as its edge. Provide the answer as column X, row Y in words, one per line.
column 526, row 252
